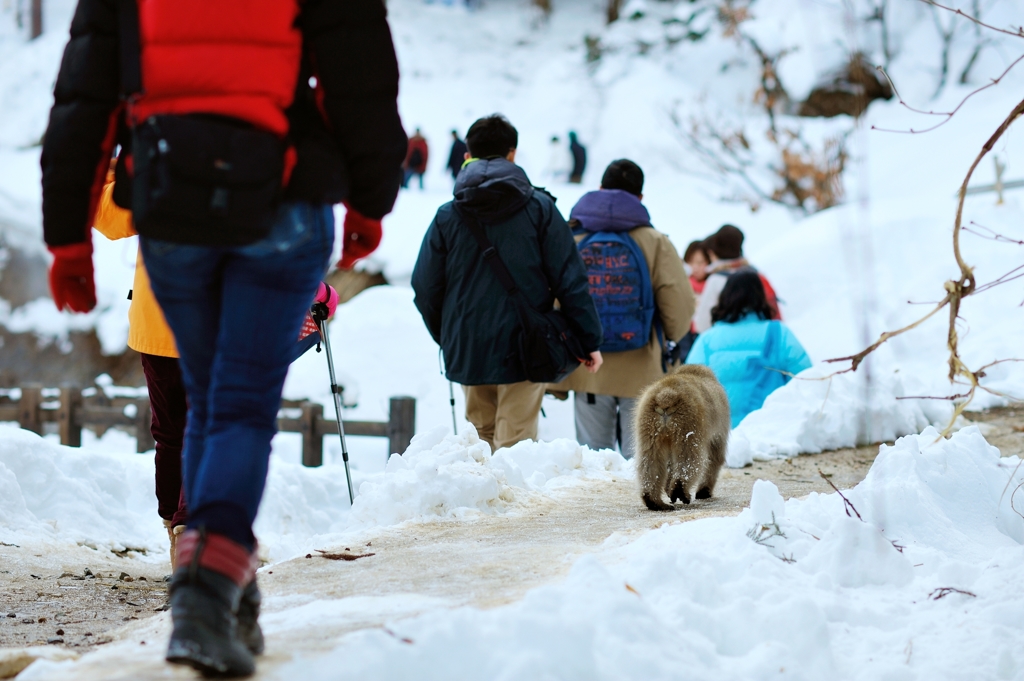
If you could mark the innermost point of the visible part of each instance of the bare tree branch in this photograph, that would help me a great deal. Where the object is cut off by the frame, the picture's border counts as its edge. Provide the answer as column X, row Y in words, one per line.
column 946, row 35
column 947, row 114
column 1016, row 272
column 880, row 15
column 992, row 234
column 956, row 291
column 980, row 42
column 1019, row 33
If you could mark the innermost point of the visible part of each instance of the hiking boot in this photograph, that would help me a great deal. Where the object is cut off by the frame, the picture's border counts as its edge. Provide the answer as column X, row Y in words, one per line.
column 249, row 632
column 205, row 595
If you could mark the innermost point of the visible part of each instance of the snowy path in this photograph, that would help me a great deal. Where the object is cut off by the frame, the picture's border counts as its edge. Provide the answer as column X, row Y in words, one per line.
column 485, row 562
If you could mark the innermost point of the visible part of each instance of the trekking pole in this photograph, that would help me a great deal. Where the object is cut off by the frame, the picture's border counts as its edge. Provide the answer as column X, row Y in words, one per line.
column 451, row 399
column 319, row 314
column 451, row 393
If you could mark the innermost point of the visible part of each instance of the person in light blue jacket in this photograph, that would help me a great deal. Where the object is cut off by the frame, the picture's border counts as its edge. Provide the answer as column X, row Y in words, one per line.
column 750, row 354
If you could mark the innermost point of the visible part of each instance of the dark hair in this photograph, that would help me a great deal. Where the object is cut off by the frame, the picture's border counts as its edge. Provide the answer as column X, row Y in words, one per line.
column 491, row 136
column 727, row 242
column 743, row 294
column 695, row 247
column 625, row 175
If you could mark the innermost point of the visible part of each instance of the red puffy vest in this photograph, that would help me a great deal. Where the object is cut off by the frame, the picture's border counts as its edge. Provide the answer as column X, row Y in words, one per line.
column 769, row 294
column 236, row 58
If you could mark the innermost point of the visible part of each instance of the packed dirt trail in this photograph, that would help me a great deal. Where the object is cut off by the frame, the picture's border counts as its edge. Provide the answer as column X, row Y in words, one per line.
column 484, row 561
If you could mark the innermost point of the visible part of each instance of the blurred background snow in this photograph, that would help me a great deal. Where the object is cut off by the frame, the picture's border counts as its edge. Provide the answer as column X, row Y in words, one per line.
column 677, row 86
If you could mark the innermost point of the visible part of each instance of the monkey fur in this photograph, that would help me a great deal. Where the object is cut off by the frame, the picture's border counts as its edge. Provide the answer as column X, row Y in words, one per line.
column 682, row 430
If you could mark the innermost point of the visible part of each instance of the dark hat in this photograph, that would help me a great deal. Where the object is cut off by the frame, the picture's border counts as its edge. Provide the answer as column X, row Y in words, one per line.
column 727, row 242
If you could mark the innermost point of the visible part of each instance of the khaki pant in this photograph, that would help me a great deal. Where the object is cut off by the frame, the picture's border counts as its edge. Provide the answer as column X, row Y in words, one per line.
column 504, row 414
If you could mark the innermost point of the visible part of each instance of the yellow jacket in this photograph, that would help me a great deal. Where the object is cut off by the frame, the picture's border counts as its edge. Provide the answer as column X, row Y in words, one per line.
column 147, row 329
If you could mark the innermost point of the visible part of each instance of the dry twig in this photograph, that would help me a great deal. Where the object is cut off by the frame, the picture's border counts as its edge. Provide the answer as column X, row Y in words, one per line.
column 944, row 591
column 1019, row 33
column 846, row 502
column 342, row 555
column 948, row 115
column 992, row 235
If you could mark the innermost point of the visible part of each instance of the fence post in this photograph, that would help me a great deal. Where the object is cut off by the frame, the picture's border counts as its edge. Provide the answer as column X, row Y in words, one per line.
column 70, row 400
column 143, row 425
column 28, row 408
column 401, row 424
column 36, row 28
column 312, row 442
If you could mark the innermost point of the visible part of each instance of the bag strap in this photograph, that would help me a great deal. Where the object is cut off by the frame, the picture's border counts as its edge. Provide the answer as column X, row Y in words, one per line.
column 131, row 59
column 490, row 254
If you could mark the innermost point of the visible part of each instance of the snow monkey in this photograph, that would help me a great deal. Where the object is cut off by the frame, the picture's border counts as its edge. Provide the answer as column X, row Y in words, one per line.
column 682, row 428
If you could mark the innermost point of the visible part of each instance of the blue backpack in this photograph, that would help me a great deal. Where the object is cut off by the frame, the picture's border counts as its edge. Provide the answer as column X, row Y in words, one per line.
column 620, row 285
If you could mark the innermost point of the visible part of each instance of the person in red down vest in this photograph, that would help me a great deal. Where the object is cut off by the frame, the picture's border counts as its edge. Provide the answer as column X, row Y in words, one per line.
column 415, row 158
column 240, row 123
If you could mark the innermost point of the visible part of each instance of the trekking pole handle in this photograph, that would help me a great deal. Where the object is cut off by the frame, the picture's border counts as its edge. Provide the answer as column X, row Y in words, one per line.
column 319, row 312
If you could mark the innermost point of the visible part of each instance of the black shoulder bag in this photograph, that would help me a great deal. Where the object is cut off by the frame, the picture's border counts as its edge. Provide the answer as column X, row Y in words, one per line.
column 548, row 349
column 197, row 178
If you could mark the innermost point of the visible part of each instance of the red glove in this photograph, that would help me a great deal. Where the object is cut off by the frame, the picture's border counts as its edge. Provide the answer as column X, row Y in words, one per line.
column 71, row 277
column 328, row 296
column 362, row 236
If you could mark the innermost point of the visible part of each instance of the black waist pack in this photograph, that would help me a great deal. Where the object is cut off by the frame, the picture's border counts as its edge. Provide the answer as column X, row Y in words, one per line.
column 548, row 349
column 205, row 180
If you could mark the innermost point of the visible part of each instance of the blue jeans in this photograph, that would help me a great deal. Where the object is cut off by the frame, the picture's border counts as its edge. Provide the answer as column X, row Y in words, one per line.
column 236, row 313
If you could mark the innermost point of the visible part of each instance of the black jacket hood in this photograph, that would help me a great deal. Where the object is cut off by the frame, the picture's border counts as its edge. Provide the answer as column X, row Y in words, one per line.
column 492, row 189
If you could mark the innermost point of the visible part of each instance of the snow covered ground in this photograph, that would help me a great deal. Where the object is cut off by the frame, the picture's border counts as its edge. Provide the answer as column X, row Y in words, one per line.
column 54, row 495
column 812, row 592
column 913, row 574
column 924, row 584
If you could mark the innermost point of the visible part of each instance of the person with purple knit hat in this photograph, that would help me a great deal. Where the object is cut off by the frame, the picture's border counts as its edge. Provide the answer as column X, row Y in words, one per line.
column 643, row 297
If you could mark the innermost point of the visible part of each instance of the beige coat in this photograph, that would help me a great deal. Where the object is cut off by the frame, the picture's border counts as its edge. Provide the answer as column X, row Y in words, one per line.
column 626, row 374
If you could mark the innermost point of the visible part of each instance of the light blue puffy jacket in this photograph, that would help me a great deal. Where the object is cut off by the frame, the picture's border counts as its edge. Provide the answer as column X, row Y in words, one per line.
column 737, row 354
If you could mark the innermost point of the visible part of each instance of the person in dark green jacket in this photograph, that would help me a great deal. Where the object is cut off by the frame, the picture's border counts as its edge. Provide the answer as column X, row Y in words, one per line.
column 464, row 306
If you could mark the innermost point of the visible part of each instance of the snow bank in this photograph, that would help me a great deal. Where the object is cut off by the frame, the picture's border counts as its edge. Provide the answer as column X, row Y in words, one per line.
column 52, row 493
column 812, row 414
column 797, row 589
column 442, row 475
column 57, row 494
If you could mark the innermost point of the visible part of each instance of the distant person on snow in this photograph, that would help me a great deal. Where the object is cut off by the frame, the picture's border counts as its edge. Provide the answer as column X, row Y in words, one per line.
column 642, row 295
column 149, row 335
column 579, row 159
column 415, row 159
column 235, row 171
column 557, row 169
column 725, row 251
column 457, row 157
column 751, row 354
column 465, row 307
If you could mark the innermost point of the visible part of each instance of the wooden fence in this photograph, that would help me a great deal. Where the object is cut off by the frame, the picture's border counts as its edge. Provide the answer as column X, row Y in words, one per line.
column 399, row 428
column 72, row 411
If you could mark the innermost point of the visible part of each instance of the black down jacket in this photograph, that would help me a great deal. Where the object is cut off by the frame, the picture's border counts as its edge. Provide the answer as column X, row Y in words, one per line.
column 349, row 146
column 464, row 306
